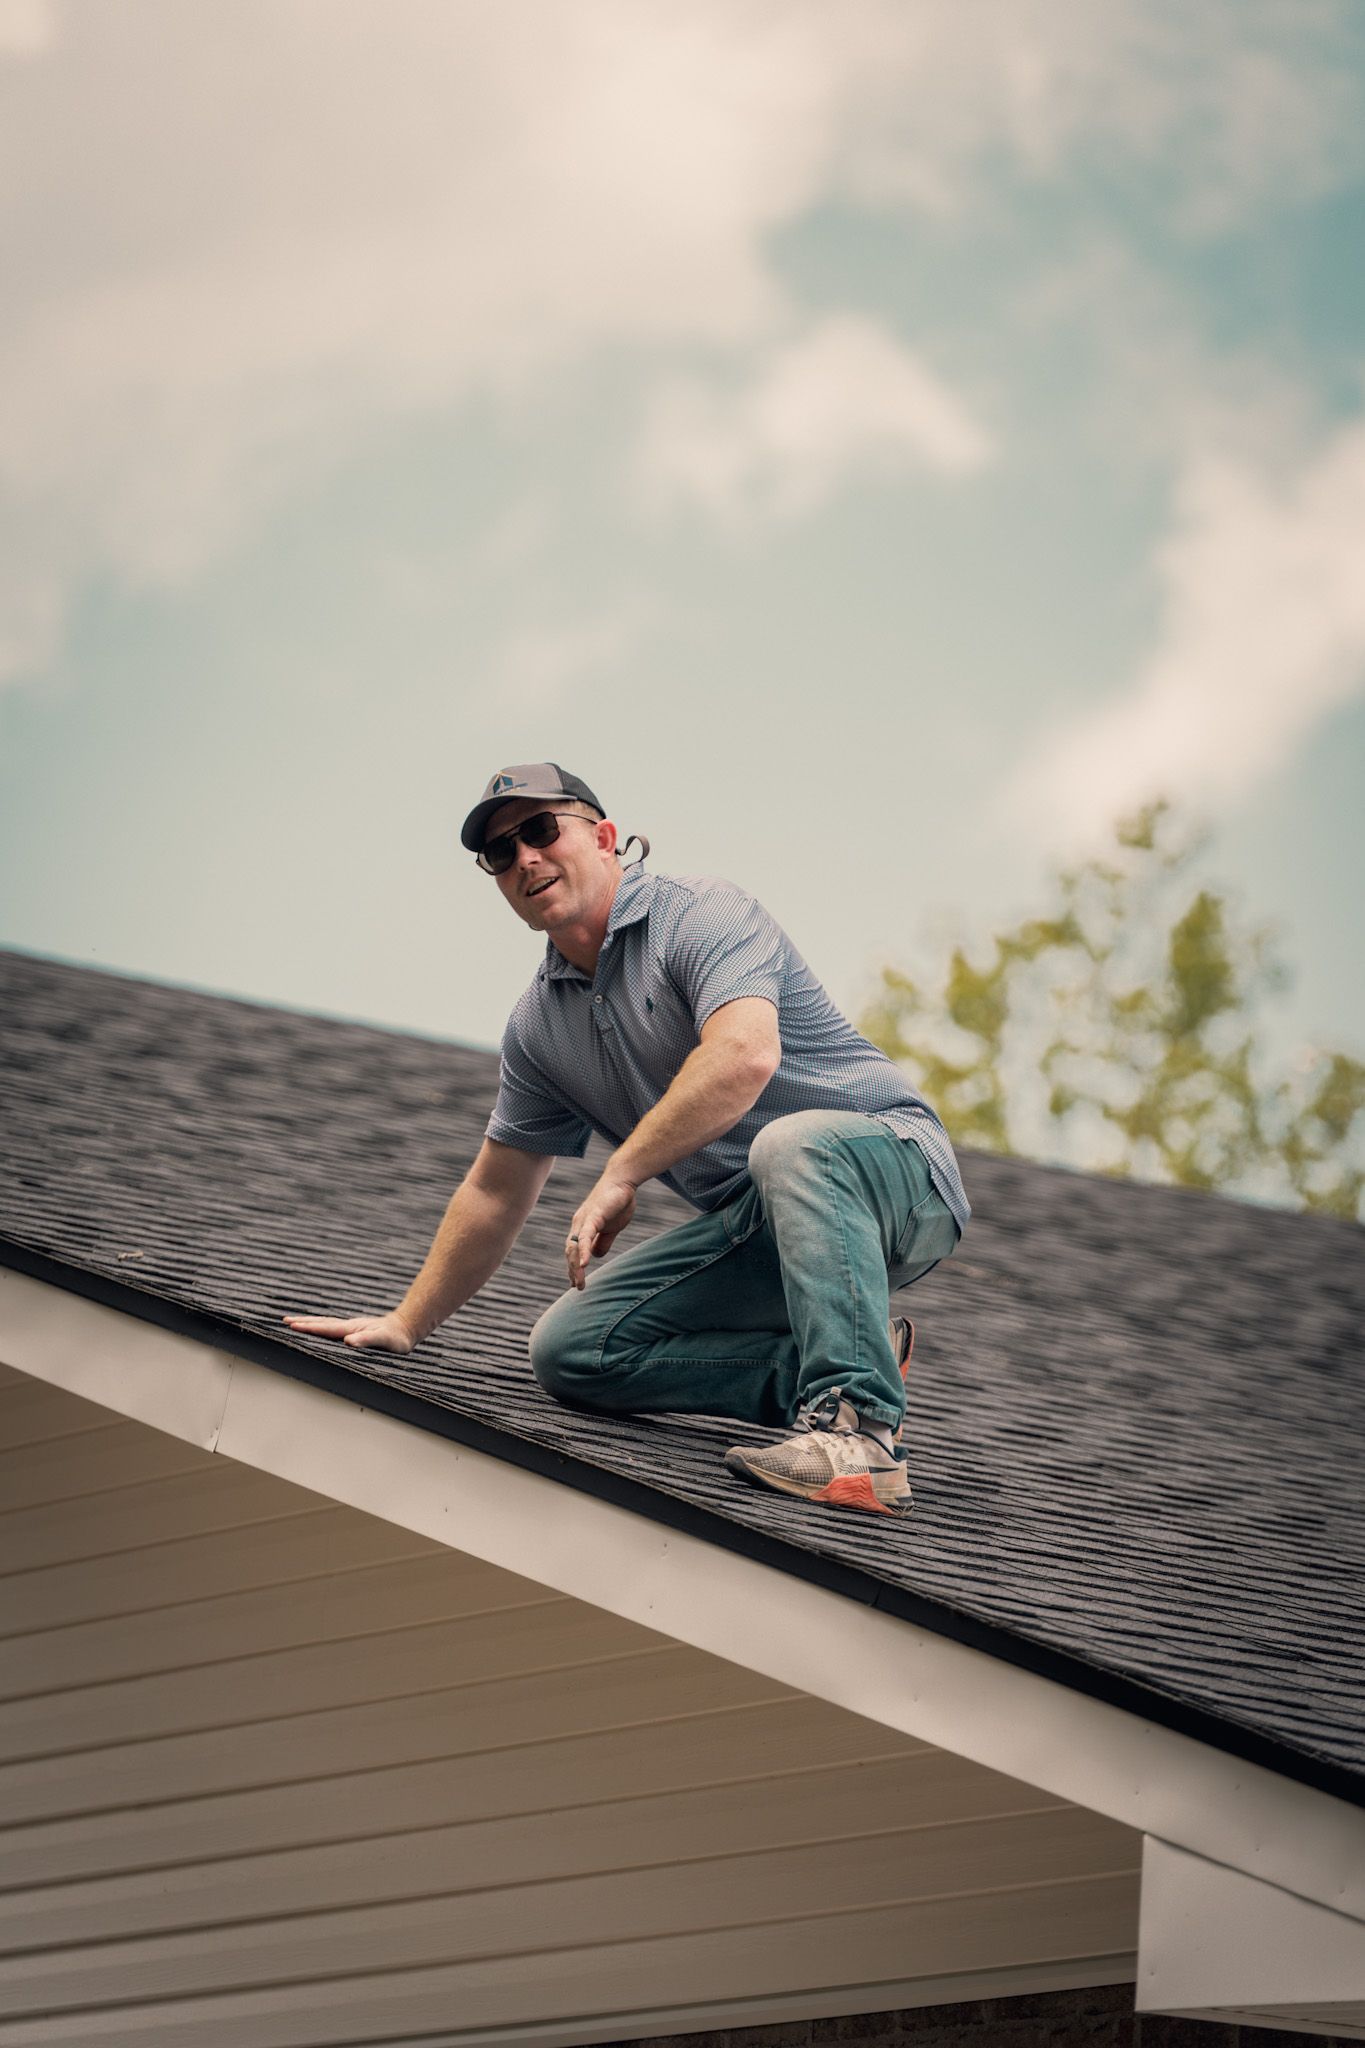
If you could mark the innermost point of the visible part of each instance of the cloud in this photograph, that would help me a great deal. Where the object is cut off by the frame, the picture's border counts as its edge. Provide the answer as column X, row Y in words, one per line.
column 243, row 239
column 1262, row 636
column 515, row 537
column 542, row 664
column 27, row 27
column 840, row 401
column 330, row 224
column 1240, row 104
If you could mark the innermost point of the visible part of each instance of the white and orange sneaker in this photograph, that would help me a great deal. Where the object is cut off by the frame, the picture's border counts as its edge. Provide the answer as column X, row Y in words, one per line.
column 830, row 1460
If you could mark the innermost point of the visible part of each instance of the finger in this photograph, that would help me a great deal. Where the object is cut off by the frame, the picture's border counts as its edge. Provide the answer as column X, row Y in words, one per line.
column 321, row 1326
column 574, row 1250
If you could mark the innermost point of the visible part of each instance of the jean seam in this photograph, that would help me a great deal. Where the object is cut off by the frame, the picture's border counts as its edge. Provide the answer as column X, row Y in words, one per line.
column 875, row 1412
column 730, row 1363
column 825, row 1151
column 664, row 1286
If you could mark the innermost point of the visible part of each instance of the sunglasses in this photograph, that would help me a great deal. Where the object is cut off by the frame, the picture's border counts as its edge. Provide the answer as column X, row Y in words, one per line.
column 541, row 830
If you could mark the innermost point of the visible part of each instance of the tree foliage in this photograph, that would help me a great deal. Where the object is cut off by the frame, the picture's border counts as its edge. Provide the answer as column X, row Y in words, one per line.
column 1119, row 1033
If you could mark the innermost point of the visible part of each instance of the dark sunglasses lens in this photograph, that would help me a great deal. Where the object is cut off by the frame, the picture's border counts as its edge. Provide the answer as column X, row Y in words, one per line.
column 499, row 854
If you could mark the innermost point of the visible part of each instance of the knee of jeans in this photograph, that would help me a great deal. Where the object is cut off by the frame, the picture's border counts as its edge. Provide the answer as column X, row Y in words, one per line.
column 779, row 1145
column 556, row 1360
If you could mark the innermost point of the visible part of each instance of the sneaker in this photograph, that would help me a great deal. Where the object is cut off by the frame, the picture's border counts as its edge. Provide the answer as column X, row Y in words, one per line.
column 828, row 1459
column 902, row 1343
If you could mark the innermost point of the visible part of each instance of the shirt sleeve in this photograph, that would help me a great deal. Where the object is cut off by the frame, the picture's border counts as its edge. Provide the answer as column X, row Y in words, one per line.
column 724, row 946
column 528, row 1114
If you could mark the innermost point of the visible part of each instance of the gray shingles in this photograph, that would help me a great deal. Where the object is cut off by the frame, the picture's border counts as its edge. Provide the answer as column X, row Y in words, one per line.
column 1137, row 1416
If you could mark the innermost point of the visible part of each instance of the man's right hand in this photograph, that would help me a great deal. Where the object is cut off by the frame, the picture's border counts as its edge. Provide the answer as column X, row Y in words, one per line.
column 363, row 1333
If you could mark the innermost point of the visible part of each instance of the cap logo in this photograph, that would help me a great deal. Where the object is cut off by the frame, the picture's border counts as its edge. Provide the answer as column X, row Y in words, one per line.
column 501, row 783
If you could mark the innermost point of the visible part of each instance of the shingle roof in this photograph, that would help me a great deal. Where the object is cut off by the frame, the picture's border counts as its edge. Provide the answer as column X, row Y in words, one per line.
column 1137, row 1413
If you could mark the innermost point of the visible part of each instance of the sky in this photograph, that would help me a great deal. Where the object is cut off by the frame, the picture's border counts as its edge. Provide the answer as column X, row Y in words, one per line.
column 874, row 445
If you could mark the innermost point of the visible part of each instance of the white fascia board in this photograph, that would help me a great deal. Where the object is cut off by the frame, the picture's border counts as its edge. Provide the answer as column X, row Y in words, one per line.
column 1213, row 1940
column 136, row 1368
column 1326, row 2022
column 963, row 1700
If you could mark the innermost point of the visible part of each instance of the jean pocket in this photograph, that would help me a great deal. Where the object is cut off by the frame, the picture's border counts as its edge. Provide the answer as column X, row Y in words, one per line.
column 930, row 1235
column 742, row 1214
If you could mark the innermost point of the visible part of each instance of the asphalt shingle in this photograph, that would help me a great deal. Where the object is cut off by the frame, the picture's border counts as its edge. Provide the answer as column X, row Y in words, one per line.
column 1137, row 1414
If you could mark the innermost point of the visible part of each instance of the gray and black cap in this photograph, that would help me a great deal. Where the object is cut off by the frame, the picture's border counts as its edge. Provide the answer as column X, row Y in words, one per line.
column 530, row 778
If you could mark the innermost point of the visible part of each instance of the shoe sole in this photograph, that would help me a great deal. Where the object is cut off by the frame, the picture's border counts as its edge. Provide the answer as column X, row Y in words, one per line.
column 858, row 1490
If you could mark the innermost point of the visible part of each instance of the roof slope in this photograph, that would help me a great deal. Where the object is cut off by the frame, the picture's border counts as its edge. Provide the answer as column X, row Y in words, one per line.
column 1137, row 1413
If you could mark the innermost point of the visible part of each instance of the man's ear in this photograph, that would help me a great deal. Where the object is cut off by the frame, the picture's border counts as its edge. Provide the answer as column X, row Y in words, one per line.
column 606, row 836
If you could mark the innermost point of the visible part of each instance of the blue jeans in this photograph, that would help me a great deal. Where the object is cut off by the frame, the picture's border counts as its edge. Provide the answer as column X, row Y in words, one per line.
column 773, row 1302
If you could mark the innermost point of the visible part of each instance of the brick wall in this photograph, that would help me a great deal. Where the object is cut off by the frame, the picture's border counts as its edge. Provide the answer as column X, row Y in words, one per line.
column 1049, row 2019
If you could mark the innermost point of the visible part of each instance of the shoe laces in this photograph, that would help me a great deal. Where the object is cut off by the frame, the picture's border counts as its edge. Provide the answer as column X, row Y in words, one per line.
column 823, row 1414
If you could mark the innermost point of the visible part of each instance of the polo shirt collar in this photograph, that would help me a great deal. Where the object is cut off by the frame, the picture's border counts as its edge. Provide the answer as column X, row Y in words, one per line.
column 628, row 906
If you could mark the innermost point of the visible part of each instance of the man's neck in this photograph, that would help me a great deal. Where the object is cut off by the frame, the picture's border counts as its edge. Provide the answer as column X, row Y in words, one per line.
column 581, row 943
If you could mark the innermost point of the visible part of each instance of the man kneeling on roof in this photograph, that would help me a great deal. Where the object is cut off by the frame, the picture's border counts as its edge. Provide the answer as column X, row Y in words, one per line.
column 672, row 1015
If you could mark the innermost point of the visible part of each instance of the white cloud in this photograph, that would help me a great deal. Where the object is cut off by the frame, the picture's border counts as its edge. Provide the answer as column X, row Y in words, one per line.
column 1241, row 103
column 1262, row 636
column 842, row 400
column 515, row 538
column 541, row 665
column 330, row 223
column 238, row 239
column 27, row 27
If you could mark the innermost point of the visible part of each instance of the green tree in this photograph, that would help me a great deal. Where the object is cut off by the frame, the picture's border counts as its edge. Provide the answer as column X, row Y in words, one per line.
column 1119, row 1033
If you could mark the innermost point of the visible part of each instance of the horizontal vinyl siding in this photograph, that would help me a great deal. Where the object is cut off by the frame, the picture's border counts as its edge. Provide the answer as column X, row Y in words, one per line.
column 273, row 1771
column 288, row 1550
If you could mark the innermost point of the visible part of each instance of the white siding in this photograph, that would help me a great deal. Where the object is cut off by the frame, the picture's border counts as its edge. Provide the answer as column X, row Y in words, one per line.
column 274, row 1771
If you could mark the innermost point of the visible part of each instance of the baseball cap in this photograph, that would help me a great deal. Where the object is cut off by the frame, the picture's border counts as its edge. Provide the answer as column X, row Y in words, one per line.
column 529, row 778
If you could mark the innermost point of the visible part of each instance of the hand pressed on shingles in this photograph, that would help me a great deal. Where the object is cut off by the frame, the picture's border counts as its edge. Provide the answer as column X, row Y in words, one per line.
column 363, row 1333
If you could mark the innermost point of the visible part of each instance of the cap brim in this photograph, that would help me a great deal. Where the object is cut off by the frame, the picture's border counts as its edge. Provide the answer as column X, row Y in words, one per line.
column 475, row 825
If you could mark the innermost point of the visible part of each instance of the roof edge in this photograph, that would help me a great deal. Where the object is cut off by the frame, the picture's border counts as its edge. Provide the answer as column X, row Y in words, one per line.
column 806, row 1637
column 670, row 1511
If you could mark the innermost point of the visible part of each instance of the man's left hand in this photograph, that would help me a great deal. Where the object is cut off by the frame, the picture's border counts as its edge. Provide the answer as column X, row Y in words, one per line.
column 598, row 1223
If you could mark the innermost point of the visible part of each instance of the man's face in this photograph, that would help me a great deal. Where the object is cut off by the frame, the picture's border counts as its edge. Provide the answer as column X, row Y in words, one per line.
column 552, row 886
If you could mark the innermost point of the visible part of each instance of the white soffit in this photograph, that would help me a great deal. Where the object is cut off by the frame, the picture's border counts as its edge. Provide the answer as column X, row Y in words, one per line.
column 1214, row 1943
column 1162, row 1783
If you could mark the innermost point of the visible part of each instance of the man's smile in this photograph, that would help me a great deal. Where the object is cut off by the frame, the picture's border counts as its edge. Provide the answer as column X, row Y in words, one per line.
column 540, row 887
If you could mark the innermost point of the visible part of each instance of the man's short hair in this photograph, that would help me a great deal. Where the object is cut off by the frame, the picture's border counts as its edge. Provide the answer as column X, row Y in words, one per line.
column 581, row 810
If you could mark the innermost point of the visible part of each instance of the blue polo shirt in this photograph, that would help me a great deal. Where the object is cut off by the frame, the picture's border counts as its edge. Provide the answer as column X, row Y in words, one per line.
column 595, row 1053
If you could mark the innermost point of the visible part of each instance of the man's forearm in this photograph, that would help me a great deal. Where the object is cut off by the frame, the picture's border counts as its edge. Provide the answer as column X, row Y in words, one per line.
column 708, row 1095
column 477, row 1232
